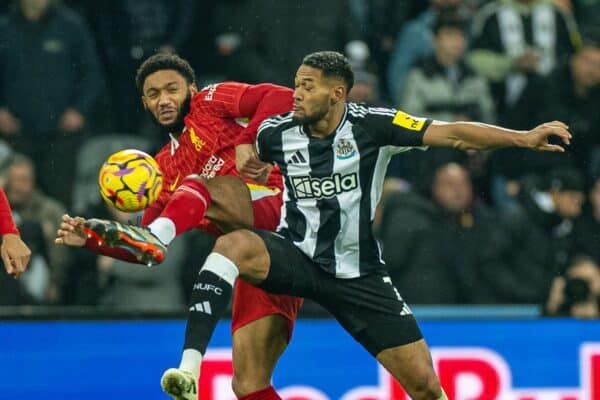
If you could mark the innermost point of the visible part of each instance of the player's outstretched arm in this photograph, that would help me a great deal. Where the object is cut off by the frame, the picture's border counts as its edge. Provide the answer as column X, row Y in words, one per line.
column 70, row 232
column 15, row 254
column 479, row 136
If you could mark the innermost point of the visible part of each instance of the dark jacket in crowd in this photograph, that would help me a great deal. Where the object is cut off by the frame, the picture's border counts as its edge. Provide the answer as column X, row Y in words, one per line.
column 433, row 257
column 553, row 98
column 587, row 236
column 46, row 67
column 276, row 35
column 535, row 246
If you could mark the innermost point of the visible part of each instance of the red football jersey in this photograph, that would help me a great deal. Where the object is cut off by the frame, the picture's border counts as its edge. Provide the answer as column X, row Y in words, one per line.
column 7, row 224
column 213, row 127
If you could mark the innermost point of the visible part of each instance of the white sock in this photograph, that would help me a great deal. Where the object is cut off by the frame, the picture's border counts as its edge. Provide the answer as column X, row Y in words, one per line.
column 221, row 266
column 164, row 229
column 191, row 360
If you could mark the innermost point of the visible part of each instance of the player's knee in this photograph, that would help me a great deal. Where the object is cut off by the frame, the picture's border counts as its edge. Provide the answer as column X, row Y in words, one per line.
column 247, row 251
column 245, row 384
column 424, row 386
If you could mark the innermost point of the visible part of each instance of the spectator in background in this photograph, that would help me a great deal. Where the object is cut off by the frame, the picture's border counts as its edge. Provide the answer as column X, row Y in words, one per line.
column 272, row 47
column 43, row 214
column 577, row 292
column 49, row 82
column 383, row 19
column 517, row 39
column 127, row 285
column 538, row 238
column 587, row 228
column 415, row 41
column 365, row 89
column 441, row 86
column 571, row 94
column 129, row 31
column 93, row 279
column 433, row 247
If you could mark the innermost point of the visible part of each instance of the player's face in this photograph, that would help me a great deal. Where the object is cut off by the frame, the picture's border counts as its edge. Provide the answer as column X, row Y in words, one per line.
column 313, row 95
column 166, row 95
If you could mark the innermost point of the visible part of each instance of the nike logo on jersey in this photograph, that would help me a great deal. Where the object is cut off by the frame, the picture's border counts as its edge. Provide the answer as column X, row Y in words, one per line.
column 173, row 185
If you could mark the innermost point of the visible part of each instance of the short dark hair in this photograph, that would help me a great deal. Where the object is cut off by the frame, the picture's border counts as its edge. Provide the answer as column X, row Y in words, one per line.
column 333, row 64
column 449, row 19
column 161, row 62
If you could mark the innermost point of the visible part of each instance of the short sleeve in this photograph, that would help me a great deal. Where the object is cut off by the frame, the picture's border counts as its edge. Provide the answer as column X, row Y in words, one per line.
column 396, row 128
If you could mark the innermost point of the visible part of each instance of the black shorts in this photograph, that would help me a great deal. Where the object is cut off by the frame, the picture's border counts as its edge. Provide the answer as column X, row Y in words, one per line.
column 369, row 308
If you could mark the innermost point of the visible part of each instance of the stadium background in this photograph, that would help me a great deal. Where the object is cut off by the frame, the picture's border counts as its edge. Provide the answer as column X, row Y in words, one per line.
column 468, row 234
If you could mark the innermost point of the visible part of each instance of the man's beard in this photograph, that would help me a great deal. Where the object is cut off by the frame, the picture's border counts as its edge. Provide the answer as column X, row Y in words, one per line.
column 176, row 126
column 310, row 119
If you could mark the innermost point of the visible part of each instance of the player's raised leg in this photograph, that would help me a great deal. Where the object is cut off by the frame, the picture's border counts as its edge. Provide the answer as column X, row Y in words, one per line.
column 223, row 199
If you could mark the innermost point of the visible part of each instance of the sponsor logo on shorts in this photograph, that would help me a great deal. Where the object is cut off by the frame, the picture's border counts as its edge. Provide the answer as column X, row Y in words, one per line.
column 307, row 187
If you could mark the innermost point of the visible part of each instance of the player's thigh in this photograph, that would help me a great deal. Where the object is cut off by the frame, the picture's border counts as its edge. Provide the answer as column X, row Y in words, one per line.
column 371, row 310
column 266, row 203
column 231, row 205
column 251, row 303
column 291, row 272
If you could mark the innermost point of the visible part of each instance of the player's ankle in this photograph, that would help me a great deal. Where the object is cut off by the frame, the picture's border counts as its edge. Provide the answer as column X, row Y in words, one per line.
column 164, row 229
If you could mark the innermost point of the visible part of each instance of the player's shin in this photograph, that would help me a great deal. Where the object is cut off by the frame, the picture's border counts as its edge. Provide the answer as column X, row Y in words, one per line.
column 210, row 297
column 184, row 211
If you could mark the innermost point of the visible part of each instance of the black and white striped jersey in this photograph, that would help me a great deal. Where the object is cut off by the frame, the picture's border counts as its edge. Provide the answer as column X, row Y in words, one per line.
column 332, row 185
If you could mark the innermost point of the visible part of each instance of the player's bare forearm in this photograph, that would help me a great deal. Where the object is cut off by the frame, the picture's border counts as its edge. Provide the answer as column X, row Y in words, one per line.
column 249, row 165
column 480, row 136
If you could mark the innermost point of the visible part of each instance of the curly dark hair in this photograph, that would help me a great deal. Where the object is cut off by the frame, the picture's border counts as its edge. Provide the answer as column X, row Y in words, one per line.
column 163, row 61
column 333, row 64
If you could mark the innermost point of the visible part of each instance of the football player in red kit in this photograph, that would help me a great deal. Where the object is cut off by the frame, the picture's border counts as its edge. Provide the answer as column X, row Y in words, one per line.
column 15, row 254
column 203, row 189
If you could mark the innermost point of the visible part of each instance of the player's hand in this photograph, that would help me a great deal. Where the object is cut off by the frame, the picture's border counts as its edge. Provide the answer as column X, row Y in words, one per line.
column 71, row 232
column 248, row 164
column 9, row 125
column 15, row 254
column 537, row 138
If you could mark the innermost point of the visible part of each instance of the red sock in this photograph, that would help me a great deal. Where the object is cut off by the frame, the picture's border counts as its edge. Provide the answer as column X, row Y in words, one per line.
column 263, row 394
column 187, row 205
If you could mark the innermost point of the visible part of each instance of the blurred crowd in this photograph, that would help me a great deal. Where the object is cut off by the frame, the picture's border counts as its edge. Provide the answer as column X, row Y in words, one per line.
column 502, row 227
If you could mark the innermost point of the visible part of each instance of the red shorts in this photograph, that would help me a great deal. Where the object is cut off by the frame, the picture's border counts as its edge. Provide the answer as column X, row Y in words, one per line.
column 249, row 302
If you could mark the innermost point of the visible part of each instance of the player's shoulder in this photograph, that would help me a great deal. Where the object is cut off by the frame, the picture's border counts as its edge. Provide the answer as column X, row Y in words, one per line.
column 360, row 113
column 277, row 123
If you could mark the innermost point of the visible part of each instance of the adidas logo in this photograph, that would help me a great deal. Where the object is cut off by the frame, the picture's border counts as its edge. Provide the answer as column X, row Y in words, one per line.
column 297, row 158
column 203, row 307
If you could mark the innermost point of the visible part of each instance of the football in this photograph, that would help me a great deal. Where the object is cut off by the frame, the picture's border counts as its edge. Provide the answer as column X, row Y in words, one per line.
column 130, row 180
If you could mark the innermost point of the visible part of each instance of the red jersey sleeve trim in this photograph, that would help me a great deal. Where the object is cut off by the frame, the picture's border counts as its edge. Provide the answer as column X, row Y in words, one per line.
column 7, row 223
